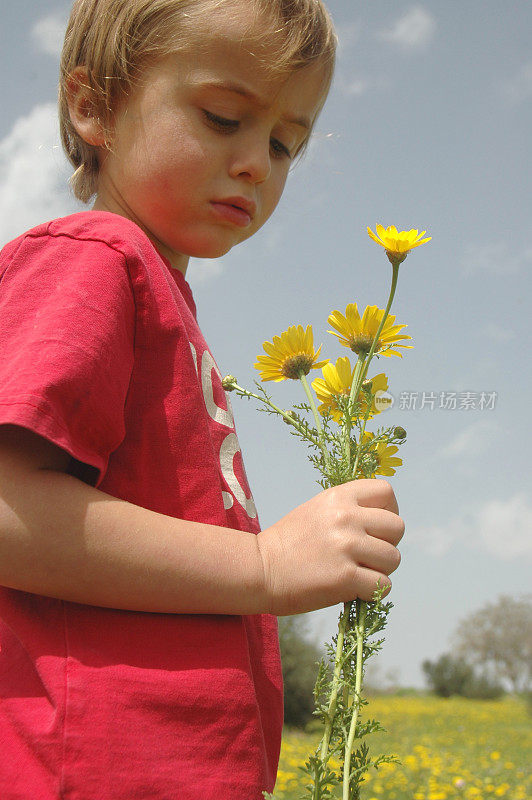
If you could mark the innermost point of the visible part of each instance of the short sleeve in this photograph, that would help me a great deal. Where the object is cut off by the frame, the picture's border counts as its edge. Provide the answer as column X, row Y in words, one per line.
column 67, row 325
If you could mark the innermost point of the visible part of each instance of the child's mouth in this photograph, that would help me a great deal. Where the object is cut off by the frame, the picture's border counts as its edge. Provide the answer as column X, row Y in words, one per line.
column 239, row 213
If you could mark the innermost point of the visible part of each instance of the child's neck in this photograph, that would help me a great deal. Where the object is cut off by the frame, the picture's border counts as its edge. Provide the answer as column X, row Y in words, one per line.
column 177, row 260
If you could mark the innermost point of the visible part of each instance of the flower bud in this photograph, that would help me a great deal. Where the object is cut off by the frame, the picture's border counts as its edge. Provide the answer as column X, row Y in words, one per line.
column 399, row 433
column 228, row 383
column 290, row 414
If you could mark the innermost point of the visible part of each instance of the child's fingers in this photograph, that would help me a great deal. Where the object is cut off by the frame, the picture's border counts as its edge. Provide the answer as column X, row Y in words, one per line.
column 380, row 557
column 383, row 524
column 374, row 493
column 377, row 555
column 367, row 583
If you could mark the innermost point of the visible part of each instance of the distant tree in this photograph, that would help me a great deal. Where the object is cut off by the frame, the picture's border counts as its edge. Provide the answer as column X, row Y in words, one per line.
column 300, row 657
column 482, row 687
column 449, row 676
column 498, row 637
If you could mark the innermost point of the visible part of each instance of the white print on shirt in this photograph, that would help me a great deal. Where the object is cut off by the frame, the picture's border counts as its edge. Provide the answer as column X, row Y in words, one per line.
column 221, row 415
column 229, row 447
column 228, row 451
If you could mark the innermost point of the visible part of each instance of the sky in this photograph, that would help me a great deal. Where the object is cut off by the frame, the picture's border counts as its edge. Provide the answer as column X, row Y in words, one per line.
column 427, row 126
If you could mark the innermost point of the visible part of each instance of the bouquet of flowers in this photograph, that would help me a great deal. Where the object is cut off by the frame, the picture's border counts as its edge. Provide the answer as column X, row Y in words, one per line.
column 333, row 423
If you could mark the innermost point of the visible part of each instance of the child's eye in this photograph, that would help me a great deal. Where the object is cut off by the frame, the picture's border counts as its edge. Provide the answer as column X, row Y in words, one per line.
column 221, row 123
column 280, row 150
column 230, row 125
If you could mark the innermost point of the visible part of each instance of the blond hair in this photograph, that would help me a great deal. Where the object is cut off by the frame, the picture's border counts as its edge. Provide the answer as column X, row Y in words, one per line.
column 115, row 40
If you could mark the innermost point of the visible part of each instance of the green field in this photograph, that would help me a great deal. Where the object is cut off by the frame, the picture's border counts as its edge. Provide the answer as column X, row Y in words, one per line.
column 453, row 748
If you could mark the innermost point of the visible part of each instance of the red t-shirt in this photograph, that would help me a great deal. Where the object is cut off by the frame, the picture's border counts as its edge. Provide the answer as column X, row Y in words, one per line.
column 100, row 353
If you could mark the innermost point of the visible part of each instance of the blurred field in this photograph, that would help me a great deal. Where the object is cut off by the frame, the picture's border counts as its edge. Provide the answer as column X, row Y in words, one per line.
column 449, row 748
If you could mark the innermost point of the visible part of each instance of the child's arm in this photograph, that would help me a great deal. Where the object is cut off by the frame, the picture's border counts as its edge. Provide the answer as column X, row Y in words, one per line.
column 62, row 538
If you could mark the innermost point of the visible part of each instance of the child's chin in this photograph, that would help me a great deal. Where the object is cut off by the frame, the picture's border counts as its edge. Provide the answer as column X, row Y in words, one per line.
column 212, row 250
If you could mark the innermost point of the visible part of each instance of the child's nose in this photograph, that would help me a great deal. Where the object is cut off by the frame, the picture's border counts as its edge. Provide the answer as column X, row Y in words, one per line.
column 252, row 160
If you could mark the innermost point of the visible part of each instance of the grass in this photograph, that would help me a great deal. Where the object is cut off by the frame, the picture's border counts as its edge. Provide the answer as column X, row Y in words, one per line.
column 449, row 748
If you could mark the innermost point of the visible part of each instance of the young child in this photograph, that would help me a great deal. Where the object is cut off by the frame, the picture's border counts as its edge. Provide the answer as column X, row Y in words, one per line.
column 138, row 599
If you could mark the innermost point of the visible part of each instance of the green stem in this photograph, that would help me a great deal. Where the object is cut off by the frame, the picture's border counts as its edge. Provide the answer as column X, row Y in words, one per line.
column 246, row 393
column 331, row 711
column 358, row 378
column 363, row 364
column 360, row 436
column 347, row 421
column 357, row 382
column 355, row 388
column 306, row 387
column 360, row 627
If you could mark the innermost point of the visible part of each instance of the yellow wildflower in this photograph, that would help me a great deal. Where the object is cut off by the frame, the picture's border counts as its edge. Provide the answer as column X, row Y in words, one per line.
column 384, row 455
column 501, row 790
column 358, row 333
column 337, row 381
column 289, row 355
column 398, row 244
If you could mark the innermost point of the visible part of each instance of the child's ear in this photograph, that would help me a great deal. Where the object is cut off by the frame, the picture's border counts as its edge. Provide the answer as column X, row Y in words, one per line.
column 81, row 108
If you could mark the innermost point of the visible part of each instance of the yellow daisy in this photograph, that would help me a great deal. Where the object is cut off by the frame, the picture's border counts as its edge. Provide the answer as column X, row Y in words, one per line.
column 398, row 243
column 337, row 380
column 289, row 355
column 383, row 454
column 358, row 334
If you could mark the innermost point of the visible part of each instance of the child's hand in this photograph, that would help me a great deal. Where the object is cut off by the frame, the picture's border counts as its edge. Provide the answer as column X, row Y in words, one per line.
column 332, row 549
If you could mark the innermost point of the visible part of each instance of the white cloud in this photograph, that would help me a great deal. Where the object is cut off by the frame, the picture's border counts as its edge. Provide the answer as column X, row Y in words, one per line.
column 495, row 258
column 501, row 528
column 519, row 88
column 204, row 270
column 505, row 527
column 414, row 30
column 472, row 441
column 33, row 174
column 48, row 33
column 347, row 80
column 350, row 85
column 348, row 34
column 497, row 333
column 436, row 540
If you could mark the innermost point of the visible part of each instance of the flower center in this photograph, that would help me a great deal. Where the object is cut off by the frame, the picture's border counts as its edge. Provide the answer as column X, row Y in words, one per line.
column 293, row 366
column 362, row 344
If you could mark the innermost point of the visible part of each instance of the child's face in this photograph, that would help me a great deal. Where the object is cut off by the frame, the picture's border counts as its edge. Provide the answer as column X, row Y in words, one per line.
column 201, row 152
